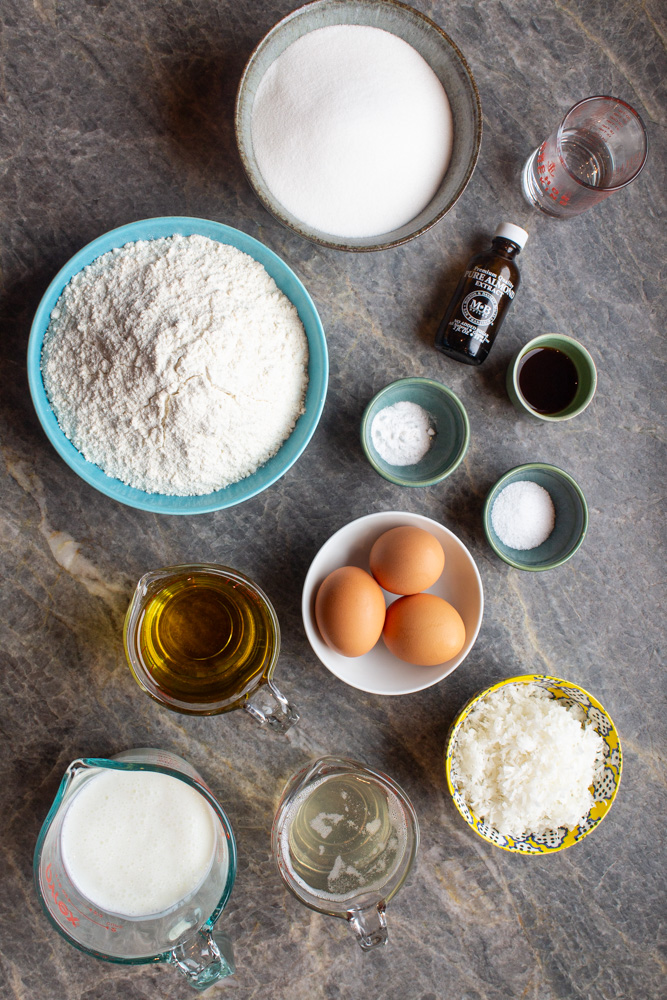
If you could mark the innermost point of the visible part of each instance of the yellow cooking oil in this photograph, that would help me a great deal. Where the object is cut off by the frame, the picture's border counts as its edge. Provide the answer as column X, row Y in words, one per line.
column 205, row 639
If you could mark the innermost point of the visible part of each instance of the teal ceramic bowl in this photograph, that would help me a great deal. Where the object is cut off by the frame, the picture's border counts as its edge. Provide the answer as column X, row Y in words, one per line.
column 571, row 518
column 449, row 420
column 587, row 376
column 433, row 45
column 318, row 368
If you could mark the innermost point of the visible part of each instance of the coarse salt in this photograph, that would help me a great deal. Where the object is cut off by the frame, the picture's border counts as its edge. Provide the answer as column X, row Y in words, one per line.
column 523, row 515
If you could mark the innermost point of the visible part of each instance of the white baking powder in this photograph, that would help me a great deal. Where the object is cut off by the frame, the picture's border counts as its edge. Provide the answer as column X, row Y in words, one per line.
column 402, row 433
column 176, row 364
column 352, row 130
column 523, row 515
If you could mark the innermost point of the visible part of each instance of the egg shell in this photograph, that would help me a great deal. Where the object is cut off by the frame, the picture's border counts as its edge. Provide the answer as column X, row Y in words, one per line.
column 423, row 629
column 350, row 611
column 407, row 560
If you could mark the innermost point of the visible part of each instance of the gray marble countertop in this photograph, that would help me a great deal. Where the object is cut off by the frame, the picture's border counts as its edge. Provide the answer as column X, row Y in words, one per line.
column 116, row 110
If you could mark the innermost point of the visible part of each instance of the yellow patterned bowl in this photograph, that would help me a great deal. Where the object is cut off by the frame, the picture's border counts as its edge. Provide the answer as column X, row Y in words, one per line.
column 603, row 789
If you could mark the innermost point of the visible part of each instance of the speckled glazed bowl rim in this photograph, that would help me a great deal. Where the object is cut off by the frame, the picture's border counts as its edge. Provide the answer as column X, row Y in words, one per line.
column 289, row 284
column 274, row 208
column 530, row 846
column 567, row 341
column 457, row 405
column 491, row 496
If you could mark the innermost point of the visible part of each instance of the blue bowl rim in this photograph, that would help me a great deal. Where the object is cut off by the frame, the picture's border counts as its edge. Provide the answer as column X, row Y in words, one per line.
column 458, row 405
column 157, row 502
column 530, row 466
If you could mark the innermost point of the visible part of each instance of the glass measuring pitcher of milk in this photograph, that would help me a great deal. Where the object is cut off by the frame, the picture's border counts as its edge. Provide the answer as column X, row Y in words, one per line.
column 345, row 837
column 203, row 639
column 135, row 863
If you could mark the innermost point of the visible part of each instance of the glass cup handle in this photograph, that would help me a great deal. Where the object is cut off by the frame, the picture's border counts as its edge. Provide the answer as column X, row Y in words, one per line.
column 369, row 924
column 204, row 961
column 271, row 708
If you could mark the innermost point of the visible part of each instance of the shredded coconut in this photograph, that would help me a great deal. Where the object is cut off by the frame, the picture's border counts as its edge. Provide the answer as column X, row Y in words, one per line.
column 402, row 433
column 524, row 761
column 523, row 515
column 176, row 364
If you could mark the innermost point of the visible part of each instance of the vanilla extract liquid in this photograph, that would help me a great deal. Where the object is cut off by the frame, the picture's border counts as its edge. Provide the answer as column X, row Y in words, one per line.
column 548, row 380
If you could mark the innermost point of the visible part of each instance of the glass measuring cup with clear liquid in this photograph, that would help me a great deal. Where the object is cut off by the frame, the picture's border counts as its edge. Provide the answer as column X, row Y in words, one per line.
column 599, row 147
column 117, row 887
column 345, row 837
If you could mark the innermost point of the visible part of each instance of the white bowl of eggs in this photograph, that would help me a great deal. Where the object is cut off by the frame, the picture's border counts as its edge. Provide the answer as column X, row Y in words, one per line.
column 392, row 603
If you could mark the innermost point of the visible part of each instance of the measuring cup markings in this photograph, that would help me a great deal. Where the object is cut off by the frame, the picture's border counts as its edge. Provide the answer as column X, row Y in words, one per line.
column 599, row 147
column 181, row 935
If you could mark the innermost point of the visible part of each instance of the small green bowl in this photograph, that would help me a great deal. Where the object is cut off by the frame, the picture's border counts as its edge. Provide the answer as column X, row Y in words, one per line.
column 571, row 518
column 452, row 431
column 586, row 374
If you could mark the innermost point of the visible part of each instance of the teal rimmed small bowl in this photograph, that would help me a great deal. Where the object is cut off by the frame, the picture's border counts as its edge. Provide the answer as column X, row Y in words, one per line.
column 571, row 518
column 587, row 376
column 287, row 282
column 449, row 420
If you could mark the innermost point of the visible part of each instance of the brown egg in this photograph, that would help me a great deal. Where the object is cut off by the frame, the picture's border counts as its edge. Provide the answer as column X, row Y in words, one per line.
column 350, row 610
column 407, row 560
column 423, row 629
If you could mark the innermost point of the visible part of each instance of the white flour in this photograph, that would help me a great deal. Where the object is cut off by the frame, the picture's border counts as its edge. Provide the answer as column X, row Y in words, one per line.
column 176, row 365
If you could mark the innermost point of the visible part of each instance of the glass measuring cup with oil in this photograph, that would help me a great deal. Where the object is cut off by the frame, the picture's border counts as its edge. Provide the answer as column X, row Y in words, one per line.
column 204, row 639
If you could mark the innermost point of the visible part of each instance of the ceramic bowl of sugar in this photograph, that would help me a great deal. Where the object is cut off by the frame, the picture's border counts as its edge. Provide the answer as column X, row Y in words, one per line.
column 218, row 238
column 415, row 432
column 535, row 517
column 388, row 144
column 533, row 764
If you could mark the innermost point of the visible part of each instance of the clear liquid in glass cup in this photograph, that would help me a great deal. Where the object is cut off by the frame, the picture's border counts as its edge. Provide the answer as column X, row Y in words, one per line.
column 344, row 838
column 599, row 147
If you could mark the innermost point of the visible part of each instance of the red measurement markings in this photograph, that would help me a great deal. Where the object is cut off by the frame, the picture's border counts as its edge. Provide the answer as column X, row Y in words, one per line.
column 64, row 909
column 59, row 895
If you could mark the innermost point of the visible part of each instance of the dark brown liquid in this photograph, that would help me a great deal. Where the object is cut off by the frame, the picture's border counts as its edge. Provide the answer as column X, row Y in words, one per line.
column 548, row 380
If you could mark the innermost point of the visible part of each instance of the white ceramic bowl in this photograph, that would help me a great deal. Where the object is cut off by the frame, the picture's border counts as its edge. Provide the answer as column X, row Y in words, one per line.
column 380, row 672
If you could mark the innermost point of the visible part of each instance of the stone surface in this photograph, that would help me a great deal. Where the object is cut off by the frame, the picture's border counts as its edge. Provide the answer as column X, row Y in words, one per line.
column 115, row 110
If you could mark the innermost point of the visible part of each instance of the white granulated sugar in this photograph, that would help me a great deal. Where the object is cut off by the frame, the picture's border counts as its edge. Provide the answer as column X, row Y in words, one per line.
column 524, row 761
column 402, row 433
column 352, row 130
column 523, row 515
column 176, row 365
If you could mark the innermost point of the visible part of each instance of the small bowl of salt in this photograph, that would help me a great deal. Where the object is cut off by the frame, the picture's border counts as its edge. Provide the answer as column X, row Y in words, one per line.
column 415, row 432
column 535, row 517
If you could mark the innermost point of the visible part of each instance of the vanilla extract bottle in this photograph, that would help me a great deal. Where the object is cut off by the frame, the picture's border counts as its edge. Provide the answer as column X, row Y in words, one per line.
column 483, row 296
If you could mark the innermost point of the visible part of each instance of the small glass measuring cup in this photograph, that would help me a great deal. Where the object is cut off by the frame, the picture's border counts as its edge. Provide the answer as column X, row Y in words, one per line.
column 599, row 147
column 203, row 639
column 345, row 837
column 183, row 936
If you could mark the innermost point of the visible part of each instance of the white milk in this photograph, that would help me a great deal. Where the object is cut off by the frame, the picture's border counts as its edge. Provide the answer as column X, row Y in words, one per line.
column 135, row 843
